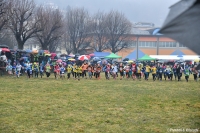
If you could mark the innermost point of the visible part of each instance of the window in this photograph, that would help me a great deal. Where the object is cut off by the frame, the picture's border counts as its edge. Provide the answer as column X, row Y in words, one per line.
column 147, row 44
column 132, row 43
column 167, row 44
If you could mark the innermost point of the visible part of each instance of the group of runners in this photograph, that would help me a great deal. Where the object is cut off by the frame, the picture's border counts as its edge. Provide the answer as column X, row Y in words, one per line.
column 135, row 71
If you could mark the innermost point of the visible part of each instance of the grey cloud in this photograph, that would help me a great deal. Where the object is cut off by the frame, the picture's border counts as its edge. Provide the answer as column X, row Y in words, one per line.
column 136, row 10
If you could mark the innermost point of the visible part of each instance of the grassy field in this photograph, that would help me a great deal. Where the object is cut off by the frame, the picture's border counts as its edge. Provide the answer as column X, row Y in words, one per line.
column 97, row 106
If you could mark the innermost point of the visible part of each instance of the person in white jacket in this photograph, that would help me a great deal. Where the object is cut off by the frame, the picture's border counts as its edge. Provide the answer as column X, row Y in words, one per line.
column 114, row 71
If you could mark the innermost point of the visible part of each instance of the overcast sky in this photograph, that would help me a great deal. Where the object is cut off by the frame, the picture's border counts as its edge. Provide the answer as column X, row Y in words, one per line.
column 154, row 11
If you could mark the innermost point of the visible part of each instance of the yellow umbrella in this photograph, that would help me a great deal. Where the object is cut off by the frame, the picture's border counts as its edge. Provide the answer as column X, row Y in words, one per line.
column 47, row 54
column 71, row 59
column 196, row 60
column 130, row 61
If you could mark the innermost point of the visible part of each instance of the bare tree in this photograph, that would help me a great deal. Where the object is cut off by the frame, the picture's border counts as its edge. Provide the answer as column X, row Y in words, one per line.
column 22, row 22
column 67, row 44
column 8, row 39
column 78, row 29
column 118, row 28
column 51, row 23
column 3, row 15
column 99, row 32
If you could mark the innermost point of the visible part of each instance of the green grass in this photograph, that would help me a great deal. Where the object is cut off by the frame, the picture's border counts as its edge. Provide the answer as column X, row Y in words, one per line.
column 97, row 106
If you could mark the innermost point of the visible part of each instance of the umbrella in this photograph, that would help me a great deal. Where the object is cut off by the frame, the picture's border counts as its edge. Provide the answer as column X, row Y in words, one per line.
column 41, row 51
column 196, row 60
column 104, row 62
column 71, row 55
column 146, row 58
column 64, row 63
column 113, row 56
column 59, row 60
column 84, row 57
column 35, row 51
column 77, row 54
column 63, row 55
column 130, row 61
column 71, row 59
column 5, row 50
column 96, row 59
column 28, row 51
column 126, row 59
column 47, row 54
column 4, row 46
column 91, row 55
column 183, row 24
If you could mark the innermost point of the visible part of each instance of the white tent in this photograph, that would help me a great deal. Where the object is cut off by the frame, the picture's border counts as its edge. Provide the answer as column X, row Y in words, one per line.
column 175, row 57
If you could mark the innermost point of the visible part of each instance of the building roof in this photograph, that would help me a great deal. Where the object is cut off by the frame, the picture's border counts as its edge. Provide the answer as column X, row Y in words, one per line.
column 177, row 52
column 133, row 55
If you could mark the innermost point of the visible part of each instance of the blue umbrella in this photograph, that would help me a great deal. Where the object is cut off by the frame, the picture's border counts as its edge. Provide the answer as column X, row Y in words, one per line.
column 96, row 59
column 28, row 51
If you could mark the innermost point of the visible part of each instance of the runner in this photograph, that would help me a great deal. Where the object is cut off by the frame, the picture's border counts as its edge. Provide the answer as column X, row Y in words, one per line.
column 195, row 72
column 127, row 69
column 79, row 72
column 48, row 70
column 35, row 68
column 84, row 69
column 154, row 70
column 89, row 69
column 57, row 70
column 28, row 69
column 107, row 70
column 114, row 71
column 41, row 70
column 139, row 68
column 18, row 70
column 62, row 72
column 98, row 71
column 121, row 70
column 134, row 69
column 69, row 71
column 9, row 68
column 187, row 73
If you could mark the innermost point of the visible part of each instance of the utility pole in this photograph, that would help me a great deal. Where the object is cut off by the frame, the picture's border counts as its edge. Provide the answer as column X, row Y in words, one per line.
column 157, row 50
column 137, row 46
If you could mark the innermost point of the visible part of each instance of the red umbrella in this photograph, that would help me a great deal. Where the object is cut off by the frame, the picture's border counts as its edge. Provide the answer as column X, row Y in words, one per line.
column 91, row 55
column 5, row 50
column 84, row 57
column 59, row 60
column 53, row 55
column 46, row 52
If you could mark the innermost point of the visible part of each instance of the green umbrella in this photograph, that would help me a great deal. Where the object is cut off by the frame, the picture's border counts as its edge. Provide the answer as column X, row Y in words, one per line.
column 113, row 56
column 146, row 58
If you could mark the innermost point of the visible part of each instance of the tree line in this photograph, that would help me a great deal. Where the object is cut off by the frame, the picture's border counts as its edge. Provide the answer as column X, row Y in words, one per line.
column 75, row 28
